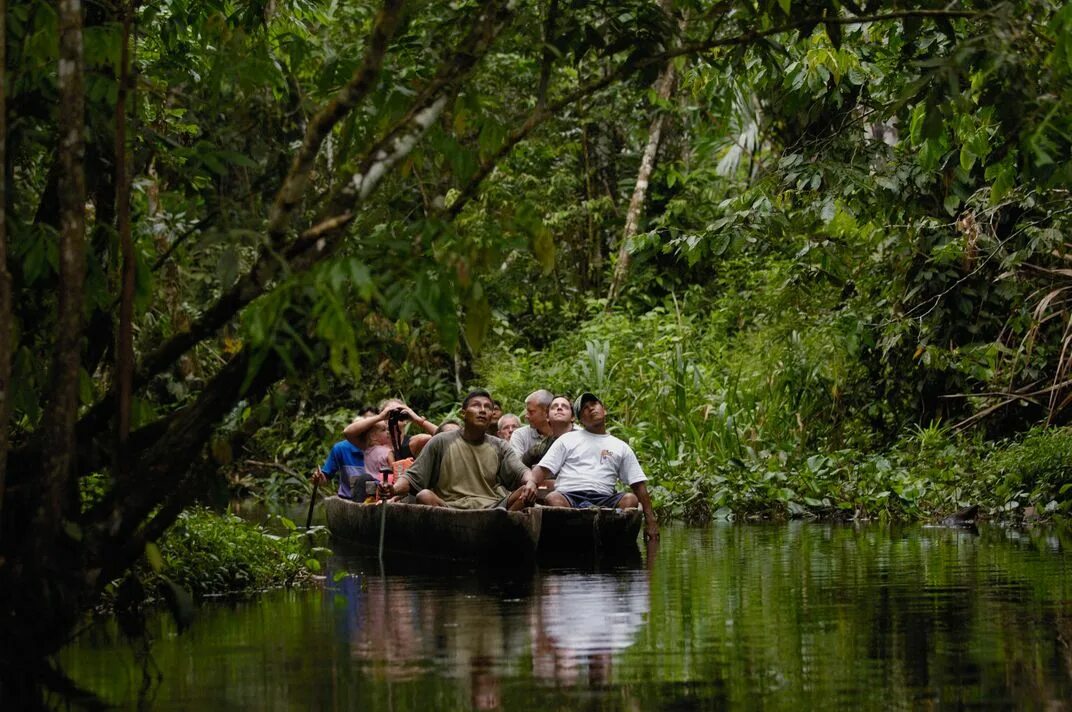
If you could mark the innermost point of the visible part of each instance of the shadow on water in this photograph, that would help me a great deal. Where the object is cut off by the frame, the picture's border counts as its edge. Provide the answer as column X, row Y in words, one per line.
column 783, row 616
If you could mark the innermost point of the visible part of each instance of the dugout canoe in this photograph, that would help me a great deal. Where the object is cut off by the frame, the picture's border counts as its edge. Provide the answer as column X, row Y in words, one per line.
column 491, row 536
column 592, row 531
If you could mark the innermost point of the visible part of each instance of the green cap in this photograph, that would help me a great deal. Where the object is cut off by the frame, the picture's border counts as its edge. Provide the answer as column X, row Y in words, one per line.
column 581, row 400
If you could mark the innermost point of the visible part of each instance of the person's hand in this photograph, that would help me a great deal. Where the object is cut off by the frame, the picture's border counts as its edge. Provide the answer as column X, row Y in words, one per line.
column 528, row 493
column 651, row 529
column 385, row 490
column 318, row 477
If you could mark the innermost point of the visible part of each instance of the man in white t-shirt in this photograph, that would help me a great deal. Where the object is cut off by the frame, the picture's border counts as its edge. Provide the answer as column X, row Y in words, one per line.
column 587, row 464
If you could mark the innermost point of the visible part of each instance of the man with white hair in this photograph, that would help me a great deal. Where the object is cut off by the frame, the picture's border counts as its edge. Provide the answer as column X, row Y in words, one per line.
column 507, row 425
column 536, row 405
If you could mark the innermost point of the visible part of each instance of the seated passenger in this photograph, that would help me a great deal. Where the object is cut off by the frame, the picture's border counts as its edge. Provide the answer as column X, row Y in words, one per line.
column 448, row 426
column 493, row 419
column 378, row 455
column 507, row 425
column 347, row 461
column 397, row 426
column 536, row 404
column 469, row 469
column 560, row 422
column 417, row 442
column 587, row 463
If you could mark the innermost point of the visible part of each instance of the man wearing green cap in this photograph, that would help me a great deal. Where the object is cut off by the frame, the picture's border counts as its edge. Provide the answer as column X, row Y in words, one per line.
column 587, row 464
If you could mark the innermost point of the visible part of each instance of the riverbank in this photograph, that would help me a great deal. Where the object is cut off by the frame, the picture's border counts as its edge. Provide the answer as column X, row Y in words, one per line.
column 777, row 422
column 208, row 554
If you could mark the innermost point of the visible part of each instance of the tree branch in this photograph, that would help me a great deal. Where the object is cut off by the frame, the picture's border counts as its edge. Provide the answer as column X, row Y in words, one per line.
column 176, row 442
column 319, row 241
column 294, row 185
column 541, row 114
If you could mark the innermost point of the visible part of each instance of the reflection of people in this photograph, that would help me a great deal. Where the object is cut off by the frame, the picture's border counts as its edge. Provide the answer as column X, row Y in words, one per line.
column 468, row 469
column 486, row 693
column 587, row 464
column 587, row 617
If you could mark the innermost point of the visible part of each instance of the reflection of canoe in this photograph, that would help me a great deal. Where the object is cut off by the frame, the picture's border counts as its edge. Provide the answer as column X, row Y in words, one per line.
column 590, row 531
column 481, row 534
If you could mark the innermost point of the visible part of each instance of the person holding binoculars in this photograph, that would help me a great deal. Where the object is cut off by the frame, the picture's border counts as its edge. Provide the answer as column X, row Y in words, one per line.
column 398, row 416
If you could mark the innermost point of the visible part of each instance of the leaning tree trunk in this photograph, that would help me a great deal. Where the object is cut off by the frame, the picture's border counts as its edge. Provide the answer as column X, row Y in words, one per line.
column 664, row 88
column 7, row 333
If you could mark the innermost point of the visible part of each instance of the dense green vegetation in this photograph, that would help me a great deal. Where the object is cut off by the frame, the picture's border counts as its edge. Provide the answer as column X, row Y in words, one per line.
column 211, row 554
column 813, row 252
column 752, row 426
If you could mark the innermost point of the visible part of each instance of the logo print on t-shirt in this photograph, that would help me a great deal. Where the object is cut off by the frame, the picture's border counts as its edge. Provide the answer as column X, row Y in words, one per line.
column 604, row 455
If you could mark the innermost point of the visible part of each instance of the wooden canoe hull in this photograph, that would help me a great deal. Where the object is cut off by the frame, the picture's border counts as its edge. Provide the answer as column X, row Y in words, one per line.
column 487, row 535
column 592, row 531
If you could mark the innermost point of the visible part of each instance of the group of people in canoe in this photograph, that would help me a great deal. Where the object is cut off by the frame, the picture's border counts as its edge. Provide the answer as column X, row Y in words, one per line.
column 489, row 459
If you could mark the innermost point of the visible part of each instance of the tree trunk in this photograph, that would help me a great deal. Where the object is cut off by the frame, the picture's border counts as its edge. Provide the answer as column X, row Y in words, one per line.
column 664, row 88
column 594, row 253
column 60, row 492
column 7, row 332
column 124, row 361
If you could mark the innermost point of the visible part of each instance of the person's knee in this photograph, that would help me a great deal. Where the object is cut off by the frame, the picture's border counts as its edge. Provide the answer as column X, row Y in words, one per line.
column 628, row 501
column 417, row 443
column 556, row 499
column 428, row 497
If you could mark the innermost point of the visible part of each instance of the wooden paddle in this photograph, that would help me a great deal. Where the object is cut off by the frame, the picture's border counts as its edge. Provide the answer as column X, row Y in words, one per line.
column 312, row 498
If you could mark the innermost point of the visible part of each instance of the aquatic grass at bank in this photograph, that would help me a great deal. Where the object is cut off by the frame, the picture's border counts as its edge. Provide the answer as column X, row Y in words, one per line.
column 1020, row 481
column 208, row 554
column 779, row 420
column 218, row 554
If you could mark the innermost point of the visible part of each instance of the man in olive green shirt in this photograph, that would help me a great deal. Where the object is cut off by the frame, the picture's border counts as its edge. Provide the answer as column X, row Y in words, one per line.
column 467, row 468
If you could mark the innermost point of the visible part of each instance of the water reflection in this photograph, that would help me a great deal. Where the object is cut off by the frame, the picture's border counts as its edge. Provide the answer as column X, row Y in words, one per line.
column 559, row 627
column 581, row 619
column 746, row 616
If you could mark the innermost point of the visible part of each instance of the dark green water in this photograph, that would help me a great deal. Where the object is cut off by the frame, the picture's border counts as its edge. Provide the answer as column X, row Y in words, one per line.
column 790, row 616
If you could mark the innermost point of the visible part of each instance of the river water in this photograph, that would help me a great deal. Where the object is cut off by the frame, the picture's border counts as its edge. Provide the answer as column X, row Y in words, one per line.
column 748, row 616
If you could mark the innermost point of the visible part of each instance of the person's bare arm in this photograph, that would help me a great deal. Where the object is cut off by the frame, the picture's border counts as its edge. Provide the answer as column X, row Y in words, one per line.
column 421, row 422
column 353, row 431
column 400, row 488
column 528, row 487
column 651, row 526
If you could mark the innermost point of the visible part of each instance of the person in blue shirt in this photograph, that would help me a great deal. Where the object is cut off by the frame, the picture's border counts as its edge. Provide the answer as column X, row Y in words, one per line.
column 348, row 462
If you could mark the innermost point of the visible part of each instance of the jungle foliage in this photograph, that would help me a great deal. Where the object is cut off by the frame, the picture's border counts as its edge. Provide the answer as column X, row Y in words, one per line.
column 226, row 215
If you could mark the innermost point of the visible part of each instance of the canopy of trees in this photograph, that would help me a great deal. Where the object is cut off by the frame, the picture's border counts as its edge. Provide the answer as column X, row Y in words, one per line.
column 206, row 201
